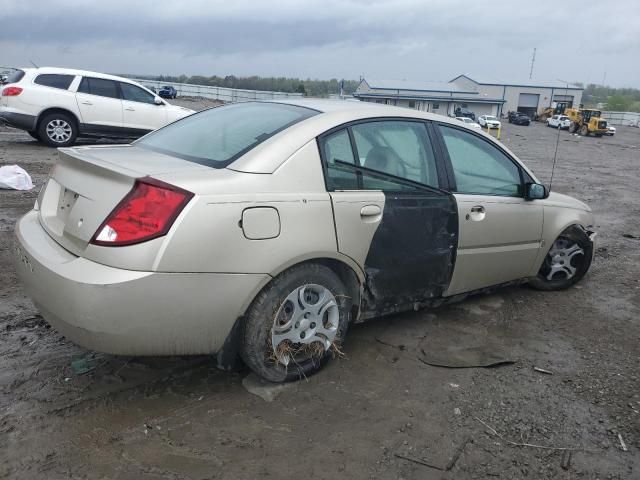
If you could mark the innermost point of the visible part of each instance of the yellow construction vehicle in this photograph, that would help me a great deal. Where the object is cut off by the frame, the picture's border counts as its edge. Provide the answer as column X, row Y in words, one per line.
column 556, row 108
column 585, row 121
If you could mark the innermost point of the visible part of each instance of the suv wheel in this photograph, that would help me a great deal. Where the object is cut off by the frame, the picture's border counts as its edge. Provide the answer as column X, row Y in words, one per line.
column 58, row 130
column 296, row 324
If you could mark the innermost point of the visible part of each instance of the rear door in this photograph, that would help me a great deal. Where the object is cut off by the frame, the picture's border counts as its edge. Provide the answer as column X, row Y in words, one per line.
column 500, row 231
column 391, row 216
column 140, row 112
column 100, row 105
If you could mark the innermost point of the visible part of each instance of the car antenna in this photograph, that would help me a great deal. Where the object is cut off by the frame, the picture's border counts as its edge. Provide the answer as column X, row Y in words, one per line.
column 33, row 63
column 555, row 153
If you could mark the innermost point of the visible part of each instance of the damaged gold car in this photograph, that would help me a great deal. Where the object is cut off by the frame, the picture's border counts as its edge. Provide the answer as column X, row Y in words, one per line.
column 262, row 230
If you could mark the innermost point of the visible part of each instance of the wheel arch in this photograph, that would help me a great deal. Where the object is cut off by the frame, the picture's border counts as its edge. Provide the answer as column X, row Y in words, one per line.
column 49, row 110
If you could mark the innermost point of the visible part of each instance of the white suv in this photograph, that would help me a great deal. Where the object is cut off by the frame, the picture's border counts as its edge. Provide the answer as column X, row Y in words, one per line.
column 57, row 105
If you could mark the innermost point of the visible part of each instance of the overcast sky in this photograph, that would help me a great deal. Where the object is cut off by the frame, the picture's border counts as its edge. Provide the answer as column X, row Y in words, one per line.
column 403, row 39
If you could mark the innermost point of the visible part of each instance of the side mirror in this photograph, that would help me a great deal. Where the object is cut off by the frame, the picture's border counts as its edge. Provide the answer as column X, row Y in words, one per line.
column 536, row 191
column 158, row 101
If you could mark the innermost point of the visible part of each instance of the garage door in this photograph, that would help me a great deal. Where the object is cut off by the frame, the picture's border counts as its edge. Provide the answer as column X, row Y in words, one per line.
column 528, row 100
column 568, row 99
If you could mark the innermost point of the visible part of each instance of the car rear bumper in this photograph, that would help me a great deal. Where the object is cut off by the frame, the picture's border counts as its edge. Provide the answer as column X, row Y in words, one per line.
column 128, row 312
column 17, row 119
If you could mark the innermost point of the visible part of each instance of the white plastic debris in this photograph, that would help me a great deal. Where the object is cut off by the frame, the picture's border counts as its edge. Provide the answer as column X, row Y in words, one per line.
column 15, row 178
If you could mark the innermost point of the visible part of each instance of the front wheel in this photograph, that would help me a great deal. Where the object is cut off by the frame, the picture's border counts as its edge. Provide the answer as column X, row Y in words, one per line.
column 296, row 324
column 584, row 131
column 567, row 261
column 58, row 130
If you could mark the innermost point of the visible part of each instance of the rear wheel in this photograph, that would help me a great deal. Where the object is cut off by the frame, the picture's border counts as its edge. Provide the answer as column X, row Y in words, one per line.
column 296, row 324
column 573, row 127
column 584, row 131
column 58, row 130
column 567, row 261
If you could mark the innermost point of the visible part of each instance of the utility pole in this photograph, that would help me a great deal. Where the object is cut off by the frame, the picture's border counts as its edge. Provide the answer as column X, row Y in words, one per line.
column 604, row 78
column 533, row 60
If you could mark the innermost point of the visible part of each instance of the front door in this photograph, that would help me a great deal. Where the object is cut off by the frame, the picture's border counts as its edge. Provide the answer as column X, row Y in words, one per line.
column 500, row 231
column 140, row 112
column 390, row 215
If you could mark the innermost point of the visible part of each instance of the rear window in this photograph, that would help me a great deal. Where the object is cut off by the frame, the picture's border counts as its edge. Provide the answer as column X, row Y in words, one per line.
column 14, row 77
column 218, row 136
column 55, row 80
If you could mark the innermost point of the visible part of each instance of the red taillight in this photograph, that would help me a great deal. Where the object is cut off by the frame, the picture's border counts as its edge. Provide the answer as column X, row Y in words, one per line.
column 146, row 212
column 11, row 91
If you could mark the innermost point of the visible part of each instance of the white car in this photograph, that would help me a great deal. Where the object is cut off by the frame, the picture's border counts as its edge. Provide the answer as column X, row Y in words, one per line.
column 612, row 131
column 559, row 121
column 489, row 121
column 468, row 122
column 58, row 105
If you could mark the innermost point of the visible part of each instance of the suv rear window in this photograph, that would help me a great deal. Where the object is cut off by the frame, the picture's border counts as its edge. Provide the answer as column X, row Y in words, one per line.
column 218, row 136
column 55, row 80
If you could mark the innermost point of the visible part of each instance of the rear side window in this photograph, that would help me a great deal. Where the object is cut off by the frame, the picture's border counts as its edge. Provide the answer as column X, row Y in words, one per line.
column 218, row 136
column 54, row 80
column 14, row 77
column 100, row 87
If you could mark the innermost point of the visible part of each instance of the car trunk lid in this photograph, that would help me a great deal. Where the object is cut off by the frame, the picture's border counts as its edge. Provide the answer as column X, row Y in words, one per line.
column 85, row 185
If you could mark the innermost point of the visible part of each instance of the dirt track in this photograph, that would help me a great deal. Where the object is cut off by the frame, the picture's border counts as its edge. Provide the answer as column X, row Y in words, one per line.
column 69, row 413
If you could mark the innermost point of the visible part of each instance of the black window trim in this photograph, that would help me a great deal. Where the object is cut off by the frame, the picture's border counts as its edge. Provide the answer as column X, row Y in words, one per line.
column 440, row 166
column 524, row 176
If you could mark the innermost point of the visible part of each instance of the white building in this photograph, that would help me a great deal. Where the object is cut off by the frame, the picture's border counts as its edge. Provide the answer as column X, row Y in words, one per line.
column 481, row 97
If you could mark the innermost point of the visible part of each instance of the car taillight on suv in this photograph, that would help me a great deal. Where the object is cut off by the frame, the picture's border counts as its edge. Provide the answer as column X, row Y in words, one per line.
column 11, row 91
column 146, row 212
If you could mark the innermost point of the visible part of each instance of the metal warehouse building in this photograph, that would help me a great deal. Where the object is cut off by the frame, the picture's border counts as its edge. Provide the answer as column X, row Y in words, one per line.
column 484, row 97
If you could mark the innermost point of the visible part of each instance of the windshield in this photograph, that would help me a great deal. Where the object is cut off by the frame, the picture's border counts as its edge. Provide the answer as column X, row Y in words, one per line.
column 218, row 136
column 489, row 117
column 467, row 120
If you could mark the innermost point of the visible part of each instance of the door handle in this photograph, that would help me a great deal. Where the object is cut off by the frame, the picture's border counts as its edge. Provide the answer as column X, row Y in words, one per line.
column 86, row 102
column 129, row 109
column 476, row 213
column 370, row 213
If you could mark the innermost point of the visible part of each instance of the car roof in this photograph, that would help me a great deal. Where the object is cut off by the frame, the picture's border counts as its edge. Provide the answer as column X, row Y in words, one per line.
column 72, row 71
column 270, row 154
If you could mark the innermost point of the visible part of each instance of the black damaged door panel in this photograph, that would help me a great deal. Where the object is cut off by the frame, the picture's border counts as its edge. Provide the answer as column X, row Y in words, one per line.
column 412, row 254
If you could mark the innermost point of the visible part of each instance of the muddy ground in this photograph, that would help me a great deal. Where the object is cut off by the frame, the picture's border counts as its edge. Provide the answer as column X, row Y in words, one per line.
column 66, row 412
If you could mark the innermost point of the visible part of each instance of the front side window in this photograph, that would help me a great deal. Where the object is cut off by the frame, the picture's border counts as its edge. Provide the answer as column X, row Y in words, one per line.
column 479, row 167
column 54, row 80
column 100, row 87
column 218, row 136
column 391, row 156
column 136, row 94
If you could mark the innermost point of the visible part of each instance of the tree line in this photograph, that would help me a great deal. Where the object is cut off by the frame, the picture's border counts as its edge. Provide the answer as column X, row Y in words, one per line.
column 308, row 87
column 614, row 99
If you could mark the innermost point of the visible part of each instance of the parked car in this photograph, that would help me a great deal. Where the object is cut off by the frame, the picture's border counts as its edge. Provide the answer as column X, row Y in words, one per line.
column 464, row 112
column 489, row 121
column 168, row 92
column 611, row 130
column 57, row 105
column 468, row 122
column 518, row 118
column 265, row 229
column 559, row 121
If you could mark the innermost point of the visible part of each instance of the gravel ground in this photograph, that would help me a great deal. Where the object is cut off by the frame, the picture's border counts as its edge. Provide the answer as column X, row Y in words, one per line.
column 380, row 412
